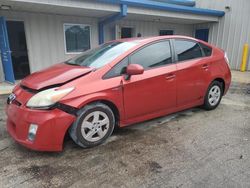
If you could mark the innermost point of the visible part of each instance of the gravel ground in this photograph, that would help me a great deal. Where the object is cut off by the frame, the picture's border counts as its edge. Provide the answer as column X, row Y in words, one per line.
column 193, row 148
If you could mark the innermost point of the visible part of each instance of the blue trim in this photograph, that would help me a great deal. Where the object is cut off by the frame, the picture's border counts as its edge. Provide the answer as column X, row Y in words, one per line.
column 189, row 3
column 5, row 52
column 166, row 6
column 116, row 17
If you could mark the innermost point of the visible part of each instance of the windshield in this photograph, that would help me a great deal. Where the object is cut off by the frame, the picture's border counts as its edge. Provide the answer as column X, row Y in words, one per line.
column 102, row 55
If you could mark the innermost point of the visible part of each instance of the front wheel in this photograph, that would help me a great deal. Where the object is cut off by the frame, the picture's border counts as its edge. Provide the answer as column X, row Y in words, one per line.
column 213, row 96
column 94, row 124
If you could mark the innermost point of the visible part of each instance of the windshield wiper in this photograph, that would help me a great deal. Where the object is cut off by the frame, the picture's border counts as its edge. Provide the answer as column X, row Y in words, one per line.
column 74, row 64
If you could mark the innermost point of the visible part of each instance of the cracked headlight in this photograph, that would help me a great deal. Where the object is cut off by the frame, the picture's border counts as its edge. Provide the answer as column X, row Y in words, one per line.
column 48, row 98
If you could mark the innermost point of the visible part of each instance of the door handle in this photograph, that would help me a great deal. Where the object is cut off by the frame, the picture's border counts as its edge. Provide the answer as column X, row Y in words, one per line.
column 205, row 66
column 170, row 76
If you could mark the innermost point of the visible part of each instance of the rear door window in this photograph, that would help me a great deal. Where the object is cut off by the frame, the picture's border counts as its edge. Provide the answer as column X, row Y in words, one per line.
column 187, row 50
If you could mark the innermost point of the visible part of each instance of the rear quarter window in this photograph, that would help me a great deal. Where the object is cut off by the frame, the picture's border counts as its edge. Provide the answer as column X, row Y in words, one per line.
column 206, row 49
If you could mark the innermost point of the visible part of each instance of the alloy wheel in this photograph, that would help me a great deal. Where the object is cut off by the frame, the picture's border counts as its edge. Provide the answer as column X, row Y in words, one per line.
column 95, row 126
column 214, row 95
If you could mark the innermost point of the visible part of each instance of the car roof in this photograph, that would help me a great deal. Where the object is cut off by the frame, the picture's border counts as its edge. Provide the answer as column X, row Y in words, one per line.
column 142, row 40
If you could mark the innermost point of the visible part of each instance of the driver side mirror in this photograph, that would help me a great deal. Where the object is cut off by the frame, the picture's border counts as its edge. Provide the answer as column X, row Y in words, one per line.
column 134, row 69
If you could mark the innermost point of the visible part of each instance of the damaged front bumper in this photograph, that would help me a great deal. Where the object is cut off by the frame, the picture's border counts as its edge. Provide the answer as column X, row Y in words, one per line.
column 51, row 127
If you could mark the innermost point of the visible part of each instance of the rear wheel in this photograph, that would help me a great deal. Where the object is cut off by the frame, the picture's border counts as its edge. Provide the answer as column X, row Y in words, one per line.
column 94, row 124
column 213, row 95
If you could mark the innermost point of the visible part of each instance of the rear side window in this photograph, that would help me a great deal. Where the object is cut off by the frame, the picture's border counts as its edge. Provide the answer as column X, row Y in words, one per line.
column 187, row 50
column 206, row 49
column 154, row 55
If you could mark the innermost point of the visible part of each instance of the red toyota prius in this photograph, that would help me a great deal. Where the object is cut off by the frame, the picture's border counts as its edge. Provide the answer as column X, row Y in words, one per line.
column 116, row 84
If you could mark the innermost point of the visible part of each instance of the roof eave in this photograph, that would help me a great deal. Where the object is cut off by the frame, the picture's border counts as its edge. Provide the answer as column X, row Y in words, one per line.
column 167, row 7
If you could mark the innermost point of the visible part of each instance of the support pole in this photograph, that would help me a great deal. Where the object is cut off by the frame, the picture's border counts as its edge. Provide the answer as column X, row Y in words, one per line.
column 116, row 17
column 244, row 58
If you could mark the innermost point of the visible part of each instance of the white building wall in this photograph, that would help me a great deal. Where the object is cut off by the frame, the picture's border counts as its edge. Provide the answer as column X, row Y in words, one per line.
column 45, row 36
column 232, row 31
column 147, row 28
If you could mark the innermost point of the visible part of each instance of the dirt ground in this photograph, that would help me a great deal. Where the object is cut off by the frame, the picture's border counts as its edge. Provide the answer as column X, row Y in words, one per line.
column 194, row 148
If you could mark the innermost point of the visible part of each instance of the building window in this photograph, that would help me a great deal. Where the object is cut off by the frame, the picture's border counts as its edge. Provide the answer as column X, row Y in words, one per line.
column 164, row 32
column 127, row 32
column 77, row 38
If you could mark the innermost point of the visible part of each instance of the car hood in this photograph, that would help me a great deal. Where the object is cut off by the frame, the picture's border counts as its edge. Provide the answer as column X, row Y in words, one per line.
column 54, row 76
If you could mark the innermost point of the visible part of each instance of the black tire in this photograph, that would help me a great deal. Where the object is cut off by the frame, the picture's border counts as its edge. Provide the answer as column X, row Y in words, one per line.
column 207, row 105
column 75, row 130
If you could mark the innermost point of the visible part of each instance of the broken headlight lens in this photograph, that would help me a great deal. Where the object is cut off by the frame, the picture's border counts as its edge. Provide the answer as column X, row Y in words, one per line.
column 48, row 98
